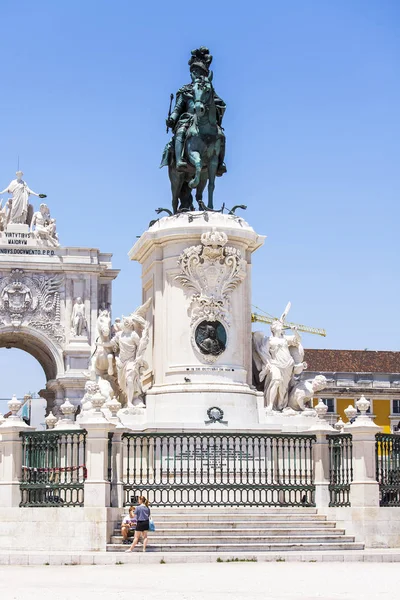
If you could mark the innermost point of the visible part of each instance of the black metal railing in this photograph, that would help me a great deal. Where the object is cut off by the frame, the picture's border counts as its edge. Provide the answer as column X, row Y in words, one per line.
column 340, row 468
column 219, row 469
column 109, row 456
column 387, row 460
column 53, row 468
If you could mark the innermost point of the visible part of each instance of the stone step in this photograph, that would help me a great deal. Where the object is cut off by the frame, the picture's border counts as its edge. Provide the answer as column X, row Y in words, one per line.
column 192, row 528
column 209, row 522
column 230, row 539
column 244, row 529
column 244, row 547
column 234, row 510
column 247, row 517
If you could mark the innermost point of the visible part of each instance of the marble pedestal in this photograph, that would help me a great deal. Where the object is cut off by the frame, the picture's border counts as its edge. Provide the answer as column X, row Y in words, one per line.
column 197, row 269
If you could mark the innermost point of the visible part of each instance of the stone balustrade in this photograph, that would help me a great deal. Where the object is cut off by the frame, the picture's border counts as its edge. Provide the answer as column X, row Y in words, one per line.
column 104, row 467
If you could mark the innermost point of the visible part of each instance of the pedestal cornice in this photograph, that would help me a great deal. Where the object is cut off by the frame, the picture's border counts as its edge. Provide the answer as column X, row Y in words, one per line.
column 188, row 227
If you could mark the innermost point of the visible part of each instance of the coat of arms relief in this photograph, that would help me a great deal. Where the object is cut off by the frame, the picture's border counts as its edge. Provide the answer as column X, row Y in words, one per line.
column 211, row 270
column 32, row 300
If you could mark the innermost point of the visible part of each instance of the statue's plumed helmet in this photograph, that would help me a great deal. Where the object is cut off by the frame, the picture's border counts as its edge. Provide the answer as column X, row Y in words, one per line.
column 201, row 58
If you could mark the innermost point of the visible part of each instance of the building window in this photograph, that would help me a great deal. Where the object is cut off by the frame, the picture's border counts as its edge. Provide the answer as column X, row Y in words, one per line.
column 396, row 407
column 330, row 403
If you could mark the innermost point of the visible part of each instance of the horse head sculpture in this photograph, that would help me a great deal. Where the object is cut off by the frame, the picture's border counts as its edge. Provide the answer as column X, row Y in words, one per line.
column 203, row 96
column 104, row 325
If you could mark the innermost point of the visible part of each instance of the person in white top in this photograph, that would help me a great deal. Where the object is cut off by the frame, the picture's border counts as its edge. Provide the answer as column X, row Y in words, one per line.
column 128, row 525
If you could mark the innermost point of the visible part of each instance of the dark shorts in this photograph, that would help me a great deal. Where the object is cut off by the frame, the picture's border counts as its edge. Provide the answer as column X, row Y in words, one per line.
column 142, row 526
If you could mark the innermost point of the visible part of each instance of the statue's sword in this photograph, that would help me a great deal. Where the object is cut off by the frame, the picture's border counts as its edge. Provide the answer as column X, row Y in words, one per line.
column 170, row 108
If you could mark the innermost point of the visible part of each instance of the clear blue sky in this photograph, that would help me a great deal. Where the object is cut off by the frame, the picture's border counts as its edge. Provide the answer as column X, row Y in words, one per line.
column 313, row 142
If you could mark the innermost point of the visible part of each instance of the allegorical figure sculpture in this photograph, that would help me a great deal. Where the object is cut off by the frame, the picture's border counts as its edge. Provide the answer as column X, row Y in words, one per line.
column 78, row 317
column 19, row 203
column 278, row 358
column 3, row 214
column 128, row 347
column 196, row 153
column 44, row 227
column 102, row 362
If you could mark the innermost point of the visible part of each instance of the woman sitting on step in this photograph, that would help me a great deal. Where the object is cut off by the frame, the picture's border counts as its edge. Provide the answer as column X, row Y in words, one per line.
column 142, row 514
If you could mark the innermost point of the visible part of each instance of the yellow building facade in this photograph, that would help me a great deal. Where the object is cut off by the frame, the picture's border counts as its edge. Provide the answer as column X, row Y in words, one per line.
column 353, row 373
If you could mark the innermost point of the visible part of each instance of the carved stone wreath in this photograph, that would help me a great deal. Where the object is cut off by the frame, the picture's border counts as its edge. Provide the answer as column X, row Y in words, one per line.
column 32, row 300
column 215, row 414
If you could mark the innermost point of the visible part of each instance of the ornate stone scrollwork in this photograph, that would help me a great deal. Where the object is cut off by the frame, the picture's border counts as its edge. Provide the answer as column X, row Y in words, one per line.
column 212, row 270
column 32, row 300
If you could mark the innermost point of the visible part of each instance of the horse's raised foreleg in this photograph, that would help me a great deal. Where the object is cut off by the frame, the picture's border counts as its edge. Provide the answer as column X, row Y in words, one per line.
column 110, row 360
column 194, row 156
column 195, row 159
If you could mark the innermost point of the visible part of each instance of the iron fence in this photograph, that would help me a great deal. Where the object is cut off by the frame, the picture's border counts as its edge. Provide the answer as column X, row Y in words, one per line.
column 387, row 460
column 53, row 468
column 340, row 468
column 109, row 456
column 219, row 469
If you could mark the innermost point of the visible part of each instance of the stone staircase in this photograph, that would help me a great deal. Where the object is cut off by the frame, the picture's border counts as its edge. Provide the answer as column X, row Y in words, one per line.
column 244, row 529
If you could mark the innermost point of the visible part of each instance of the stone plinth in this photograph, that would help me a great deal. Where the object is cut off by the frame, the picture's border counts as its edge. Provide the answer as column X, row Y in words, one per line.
column 97, row 487
column 11, row 460
column 197, row 268
column 364, row 487
column 17, row 231
column 290, row 421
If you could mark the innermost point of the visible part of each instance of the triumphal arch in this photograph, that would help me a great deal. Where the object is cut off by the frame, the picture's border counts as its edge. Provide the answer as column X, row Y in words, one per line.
column 50, row 294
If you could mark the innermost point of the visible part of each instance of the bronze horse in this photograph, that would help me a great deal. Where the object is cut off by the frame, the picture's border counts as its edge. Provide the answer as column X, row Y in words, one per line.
column 204, row 147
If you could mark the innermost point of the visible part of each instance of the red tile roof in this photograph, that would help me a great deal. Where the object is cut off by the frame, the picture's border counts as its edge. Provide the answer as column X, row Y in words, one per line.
column 353, row 361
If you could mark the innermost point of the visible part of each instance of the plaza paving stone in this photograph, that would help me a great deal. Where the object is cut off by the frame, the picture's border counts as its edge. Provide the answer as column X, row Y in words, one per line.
column 207, row 581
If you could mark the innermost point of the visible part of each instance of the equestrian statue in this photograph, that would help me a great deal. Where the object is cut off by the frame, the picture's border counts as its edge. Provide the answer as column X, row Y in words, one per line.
column 196, row 153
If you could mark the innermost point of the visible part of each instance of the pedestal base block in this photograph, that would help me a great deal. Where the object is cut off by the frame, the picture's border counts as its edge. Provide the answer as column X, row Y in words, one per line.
column 291, row 421
column 191, row 405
